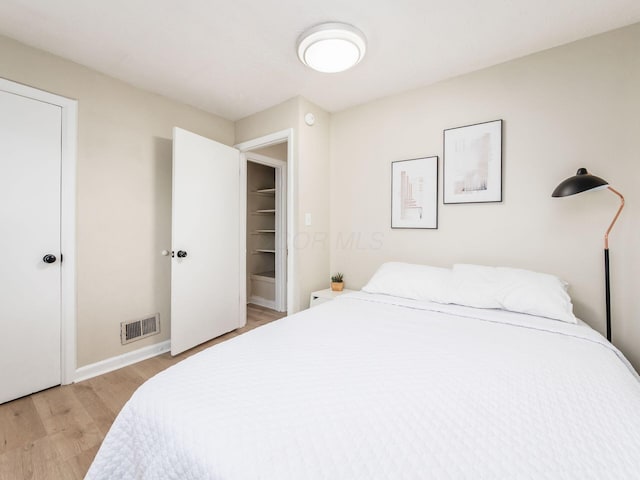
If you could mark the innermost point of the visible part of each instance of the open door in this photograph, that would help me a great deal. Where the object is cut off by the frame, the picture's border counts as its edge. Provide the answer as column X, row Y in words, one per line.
column 206, row 265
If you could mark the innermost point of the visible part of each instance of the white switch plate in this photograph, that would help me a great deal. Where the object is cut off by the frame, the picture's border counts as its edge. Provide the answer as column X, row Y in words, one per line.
column 307, row 219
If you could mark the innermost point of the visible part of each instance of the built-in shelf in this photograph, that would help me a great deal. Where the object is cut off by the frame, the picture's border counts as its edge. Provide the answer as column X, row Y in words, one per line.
column 264, row 250
column 261, row 231
column 265, row 211
column 264, row 276
column 265, row 191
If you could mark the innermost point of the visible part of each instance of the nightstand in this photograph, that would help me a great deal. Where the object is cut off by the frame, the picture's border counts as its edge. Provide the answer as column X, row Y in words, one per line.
column 325, row 295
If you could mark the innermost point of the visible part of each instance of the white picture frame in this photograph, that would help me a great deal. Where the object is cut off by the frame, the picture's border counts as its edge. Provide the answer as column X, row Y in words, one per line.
column 414, row 193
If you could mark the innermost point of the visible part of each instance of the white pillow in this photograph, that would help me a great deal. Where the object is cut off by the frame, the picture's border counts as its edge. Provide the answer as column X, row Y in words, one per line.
column 511, row 289
column 409, row 280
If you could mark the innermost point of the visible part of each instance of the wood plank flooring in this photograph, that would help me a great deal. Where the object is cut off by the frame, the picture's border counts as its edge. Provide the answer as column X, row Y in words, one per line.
column 56, row 433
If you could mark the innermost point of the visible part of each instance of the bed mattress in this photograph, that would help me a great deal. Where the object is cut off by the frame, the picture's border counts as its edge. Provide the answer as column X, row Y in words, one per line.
column 376, row 387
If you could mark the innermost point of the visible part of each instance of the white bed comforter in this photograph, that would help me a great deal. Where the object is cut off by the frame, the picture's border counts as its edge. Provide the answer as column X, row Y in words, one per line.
column 374, row 387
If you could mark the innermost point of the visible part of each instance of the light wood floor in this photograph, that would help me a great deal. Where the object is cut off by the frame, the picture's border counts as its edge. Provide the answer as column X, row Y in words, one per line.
column 55, row 434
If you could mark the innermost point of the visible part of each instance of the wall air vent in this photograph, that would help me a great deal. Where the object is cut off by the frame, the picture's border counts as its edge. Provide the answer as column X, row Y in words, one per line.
column 138, row 329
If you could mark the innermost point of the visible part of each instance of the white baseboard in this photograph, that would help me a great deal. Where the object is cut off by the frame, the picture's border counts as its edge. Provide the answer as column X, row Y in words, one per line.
column 262, row 302
column 114, row 363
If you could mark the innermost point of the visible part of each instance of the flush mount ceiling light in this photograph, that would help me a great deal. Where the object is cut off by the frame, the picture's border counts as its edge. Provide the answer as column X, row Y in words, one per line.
column 331, row 47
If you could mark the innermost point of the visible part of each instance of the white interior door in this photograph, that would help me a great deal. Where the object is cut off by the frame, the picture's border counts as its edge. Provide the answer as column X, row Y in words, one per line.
column 30, row 290
column 206, row 243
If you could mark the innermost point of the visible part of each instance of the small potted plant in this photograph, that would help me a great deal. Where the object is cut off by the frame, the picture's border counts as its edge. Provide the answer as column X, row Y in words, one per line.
column 336, row 282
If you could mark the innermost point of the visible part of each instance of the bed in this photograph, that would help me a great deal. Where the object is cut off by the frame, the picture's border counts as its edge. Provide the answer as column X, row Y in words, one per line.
column 376, row 386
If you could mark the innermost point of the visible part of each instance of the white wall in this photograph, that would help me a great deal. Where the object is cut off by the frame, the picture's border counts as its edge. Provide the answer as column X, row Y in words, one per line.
column 123, row 193
column 313, row 197
column 277, row 151
column 568, row 107
column 572, row 106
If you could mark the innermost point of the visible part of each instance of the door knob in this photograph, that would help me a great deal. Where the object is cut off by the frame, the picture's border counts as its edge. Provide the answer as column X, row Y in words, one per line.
column 182, row 254
column 48, row 258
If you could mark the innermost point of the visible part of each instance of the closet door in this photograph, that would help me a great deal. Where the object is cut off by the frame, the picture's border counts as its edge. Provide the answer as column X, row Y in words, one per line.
column 205, row 273
column 30, row 283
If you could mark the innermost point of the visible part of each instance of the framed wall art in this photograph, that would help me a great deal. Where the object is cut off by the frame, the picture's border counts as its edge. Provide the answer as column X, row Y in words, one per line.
column 414, row 193
column 472, row 164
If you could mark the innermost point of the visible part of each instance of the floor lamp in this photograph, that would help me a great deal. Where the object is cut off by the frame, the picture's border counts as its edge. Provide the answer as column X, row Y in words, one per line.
column 583, row 181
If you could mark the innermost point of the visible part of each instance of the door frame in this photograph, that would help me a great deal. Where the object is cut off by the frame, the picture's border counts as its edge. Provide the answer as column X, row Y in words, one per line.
column 69, row 141
column 280, row 224
column 282, row 136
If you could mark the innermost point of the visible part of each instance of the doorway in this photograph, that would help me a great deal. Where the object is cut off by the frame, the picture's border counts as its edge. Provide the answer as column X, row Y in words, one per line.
column 283, row 140
column 266, row 226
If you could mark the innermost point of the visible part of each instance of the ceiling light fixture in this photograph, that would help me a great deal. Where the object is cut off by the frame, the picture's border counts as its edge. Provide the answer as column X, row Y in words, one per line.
column 331, row 47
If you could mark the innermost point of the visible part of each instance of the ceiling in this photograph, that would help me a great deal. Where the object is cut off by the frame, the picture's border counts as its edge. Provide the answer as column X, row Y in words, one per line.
column 238, row 57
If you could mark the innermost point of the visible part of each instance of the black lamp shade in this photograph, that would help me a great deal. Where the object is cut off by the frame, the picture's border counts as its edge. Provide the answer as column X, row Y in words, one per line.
column 580, row 182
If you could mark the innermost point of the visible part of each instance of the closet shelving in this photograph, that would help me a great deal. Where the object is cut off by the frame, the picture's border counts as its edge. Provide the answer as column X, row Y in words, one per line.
column 264, row 224
column 269, row 233
column 266, row 277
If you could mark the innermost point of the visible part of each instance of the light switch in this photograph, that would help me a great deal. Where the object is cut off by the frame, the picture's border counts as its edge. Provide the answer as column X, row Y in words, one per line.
column 307, row 219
